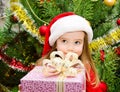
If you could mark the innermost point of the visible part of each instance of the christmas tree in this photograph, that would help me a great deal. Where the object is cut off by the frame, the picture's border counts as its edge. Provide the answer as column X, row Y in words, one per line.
column 21, row 42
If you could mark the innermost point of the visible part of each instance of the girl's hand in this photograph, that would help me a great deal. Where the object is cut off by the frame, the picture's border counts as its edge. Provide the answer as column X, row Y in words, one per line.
column 19, row 88
column 50, row 71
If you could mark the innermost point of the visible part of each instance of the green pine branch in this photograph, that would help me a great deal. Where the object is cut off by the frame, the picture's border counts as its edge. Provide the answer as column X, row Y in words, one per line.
column 84, row 8
column 107, row 69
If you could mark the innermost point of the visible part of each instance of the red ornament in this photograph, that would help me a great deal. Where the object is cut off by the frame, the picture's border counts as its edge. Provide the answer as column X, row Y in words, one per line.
column 103, row 86
column 118, row 21
column 117, row 51
column 13, row 19
column 102, row 55
column 42, row 30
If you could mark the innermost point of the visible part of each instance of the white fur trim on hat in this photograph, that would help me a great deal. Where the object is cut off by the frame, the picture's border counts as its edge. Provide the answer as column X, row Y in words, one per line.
column 70, row 23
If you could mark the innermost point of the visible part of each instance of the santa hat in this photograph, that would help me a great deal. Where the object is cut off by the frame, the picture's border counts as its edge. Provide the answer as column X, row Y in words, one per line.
column 63, row 23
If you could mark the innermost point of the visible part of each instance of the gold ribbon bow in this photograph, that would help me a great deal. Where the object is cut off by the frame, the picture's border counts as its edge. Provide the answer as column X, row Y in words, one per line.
column 59, row 64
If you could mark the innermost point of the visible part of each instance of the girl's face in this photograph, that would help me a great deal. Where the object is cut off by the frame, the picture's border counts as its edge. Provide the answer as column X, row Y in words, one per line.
column 71, row 42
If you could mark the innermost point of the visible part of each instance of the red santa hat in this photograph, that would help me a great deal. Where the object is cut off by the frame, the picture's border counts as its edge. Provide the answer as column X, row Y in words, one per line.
column 63, row 23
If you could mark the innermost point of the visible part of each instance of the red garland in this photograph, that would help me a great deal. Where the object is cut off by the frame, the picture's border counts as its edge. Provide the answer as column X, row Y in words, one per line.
column 102, row 55
column 13, row 63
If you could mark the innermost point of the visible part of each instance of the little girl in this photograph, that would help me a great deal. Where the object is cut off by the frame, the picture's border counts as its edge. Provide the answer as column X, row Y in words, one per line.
column 68, row 32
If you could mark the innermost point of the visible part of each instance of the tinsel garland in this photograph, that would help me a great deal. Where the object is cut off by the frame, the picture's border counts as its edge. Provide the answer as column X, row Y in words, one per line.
column 13, row 63
column 26, row 20
column 107, row 40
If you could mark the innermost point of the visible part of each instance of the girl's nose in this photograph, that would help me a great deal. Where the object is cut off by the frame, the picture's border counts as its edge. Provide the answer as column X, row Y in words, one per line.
column 70, row 47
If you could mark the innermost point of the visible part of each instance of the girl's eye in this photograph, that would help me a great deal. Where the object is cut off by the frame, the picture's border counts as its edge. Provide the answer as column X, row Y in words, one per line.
column 64, row 41
column 77, row 42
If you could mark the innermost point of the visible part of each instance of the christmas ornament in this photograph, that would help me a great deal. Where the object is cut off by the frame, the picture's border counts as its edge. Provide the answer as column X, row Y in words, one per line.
column 117, row 51
column 109, row 2
column 103, row 86
column 118, row 21
column 13, row 19
column 42, row 30
column 102, row 55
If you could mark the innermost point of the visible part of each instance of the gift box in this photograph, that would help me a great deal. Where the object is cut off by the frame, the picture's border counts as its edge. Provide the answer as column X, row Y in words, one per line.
column 35, row 81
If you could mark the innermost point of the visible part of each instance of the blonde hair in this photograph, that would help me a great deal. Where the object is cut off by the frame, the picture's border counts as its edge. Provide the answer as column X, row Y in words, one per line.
column 85, row 58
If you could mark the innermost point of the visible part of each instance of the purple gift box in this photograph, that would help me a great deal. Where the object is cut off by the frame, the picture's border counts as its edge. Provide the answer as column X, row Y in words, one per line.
column 35, row 81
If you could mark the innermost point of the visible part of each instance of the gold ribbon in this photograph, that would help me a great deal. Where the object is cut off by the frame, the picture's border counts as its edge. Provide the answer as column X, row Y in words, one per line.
column 68, row 65
column 63, row 65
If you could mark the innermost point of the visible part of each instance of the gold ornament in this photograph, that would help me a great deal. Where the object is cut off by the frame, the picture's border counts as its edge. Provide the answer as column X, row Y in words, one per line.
column 109, row 2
